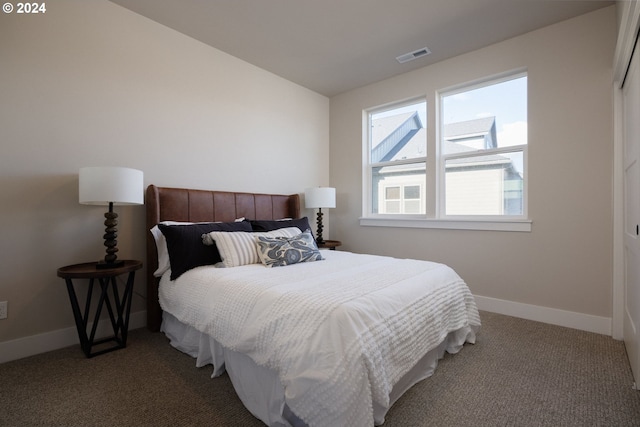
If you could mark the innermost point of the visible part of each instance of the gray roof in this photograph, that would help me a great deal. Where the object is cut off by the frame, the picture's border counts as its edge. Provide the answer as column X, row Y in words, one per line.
column 481, row 126
column 385, row 126
column 390, row 136
column 415, row 147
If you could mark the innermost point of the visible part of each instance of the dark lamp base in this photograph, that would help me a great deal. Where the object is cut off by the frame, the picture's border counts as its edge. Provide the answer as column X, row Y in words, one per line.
column 101, row 265
column 110, row 235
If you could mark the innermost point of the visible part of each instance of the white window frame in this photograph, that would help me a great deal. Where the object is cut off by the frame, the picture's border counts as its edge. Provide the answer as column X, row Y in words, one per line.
column 435, row 216
column 368, row 166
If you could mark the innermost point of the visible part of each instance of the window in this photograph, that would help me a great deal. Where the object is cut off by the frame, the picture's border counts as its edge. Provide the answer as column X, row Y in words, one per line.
column 472, row 168
column 397, row 150
column 483, row 146
column 403, row 198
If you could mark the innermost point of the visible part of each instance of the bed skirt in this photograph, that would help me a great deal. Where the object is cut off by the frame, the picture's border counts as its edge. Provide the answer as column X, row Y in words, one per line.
column 259, row 388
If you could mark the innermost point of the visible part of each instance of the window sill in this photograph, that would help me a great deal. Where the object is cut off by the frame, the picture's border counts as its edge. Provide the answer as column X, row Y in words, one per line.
column 523, row 225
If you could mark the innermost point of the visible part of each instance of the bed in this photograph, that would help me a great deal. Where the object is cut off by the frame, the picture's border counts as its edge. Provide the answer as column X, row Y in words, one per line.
column 331, row 342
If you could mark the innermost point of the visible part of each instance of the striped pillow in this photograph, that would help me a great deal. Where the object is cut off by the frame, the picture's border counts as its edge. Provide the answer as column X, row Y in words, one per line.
column 239, row 247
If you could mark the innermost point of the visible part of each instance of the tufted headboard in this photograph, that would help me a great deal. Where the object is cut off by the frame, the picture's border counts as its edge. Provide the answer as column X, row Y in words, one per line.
column 182, row 204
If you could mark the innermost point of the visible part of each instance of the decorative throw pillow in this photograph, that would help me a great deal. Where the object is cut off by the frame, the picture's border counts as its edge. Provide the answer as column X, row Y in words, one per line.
column 185, row 248
column 239, row 248
column 161, row 247
column 281, row 251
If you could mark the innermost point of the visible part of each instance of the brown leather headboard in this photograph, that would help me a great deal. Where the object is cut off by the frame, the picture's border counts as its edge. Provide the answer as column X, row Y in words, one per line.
column 182, row 204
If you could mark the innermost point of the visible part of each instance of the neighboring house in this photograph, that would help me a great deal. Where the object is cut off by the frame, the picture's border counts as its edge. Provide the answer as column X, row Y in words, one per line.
column 399, row 188
column 475, row 185
column 478, row 134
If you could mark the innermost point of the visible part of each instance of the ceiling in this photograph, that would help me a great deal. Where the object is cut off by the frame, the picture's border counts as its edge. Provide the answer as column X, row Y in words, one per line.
column 331, row 46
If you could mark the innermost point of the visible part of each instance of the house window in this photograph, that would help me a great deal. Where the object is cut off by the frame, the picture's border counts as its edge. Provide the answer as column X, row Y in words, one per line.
column 483, row 145
column 397, row 148
column 403, row 198
column 392, row 200
column 472, row 168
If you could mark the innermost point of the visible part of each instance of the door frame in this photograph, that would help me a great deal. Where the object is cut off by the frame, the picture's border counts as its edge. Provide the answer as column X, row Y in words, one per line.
column 627, row 35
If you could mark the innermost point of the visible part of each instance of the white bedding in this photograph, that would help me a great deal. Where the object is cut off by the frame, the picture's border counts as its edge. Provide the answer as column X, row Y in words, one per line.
column 339, row 333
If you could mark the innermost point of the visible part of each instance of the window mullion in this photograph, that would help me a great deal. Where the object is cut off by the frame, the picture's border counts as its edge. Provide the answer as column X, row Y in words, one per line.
column 481, row 153
column 431, row 185
column 400, row 162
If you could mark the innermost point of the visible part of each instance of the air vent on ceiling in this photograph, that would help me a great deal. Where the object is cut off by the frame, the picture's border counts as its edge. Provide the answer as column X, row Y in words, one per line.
column 413, row 55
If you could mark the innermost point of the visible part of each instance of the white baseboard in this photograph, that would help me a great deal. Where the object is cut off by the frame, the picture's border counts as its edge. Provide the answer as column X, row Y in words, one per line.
column 41, row 343
column 54, row 340
column 553, row 316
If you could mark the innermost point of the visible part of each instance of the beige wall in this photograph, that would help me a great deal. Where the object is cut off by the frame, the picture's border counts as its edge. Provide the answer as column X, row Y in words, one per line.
column 565, row 262
column 92, row 84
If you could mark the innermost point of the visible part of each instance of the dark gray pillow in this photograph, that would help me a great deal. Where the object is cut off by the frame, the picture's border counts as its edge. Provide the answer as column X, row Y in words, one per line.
column 270, row 225
column 185, row 247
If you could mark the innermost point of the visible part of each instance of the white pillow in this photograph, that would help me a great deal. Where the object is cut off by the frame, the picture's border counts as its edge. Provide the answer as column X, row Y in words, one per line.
column 239, row 247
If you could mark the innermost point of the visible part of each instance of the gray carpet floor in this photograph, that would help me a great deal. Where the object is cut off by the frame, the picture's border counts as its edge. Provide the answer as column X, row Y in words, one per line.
column 519, row 373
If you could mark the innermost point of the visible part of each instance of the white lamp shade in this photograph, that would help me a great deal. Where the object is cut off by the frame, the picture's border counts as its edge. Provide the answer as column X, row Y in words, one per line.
column 320, row 197
column 101, row 185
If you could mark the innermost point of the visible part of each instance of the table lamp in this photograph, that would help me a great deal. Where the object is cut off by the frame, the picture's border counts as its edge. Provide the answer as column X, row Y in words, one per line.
column 110, row 186
column 320, row 197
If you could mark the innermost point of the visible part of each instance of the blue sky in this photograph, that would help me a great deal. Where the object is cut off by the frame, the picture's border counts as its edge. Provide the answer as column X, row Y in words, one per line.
column 507, row 101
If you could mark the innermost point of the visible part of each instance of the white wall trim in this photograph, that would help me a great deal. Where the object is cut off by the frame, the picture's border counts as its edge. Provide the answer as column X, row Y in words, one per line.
column 553, row 316
column 523, row 225
column 629, row 26
column 54, row 340
column 617, row 288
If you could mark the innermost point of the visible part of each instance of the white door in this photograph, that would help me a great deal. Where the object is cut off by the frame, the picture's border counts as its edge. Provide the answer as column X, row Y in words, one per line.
column 631, row 126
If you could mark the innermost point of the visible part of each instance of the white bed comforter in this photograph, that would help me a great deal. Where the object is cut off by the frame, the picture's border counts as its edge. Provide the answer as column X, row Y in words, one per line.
column 339, row 333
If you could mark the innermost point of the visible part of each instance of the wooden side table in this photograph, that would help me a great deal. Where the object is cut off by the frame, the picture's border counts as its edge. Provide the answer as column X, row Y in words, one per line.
column 330, row 244
column 118, row 308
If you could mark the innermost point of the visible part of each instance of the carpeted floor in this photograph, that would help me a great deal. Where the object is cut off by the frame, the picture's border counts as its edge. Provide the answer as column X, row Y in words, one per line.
column 519, row 373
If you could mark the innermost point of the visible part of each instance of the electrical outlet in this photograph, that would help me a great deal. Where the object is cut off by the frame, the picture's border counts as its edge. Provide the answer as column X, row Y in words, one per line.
column 3, row 309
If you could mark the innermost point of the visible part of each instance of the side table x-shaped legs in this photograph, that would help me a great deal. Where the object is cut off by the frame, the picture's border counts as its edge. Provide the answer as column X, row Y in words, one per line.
column 118, row 308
